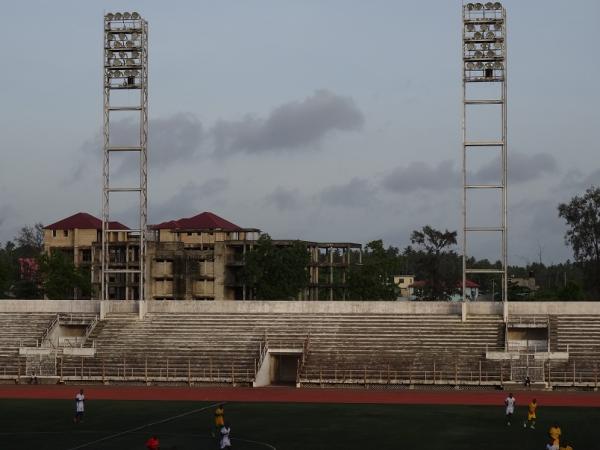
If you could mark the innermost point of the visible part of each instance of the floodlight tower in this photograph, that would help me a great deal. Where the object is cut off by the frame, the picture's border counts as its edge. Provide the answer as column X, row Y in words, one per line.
column 484, row 61
column 125, row 69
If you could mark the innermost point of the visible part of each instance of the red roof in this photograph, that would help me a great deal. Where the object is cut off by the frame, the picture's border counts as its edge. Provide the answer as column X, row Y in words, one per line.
column 469, row 283
column 202, row 221
column 83, row 221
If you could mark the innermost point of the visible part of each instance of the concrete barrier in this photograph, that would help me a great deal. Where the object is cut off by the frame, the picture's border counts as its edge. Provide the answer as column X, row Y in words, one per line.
column 317, row 307
column 48, row 306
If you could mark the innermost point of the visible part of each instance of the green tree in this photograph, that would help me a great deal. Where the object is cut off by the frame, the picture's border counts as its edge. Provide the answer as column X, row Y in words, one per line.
column 582, row 215
column 436, row 263
column 31, row 240
column 60, row 278
column 276, row 272
column 5, row 273
column 571, row 292
column 374, row 278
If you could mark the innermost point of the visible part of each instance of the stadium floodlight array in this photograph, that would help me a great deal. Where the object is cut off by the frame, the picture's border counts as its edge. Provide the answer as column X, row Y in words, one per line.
column 484, row 41
column 125, row 68
column 484, row 61
column 124, row 49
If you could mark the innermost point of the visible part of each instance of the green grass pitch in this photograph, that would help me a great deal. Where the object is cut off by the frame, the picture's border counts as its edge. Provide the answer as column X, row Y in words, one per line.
column 47, row 424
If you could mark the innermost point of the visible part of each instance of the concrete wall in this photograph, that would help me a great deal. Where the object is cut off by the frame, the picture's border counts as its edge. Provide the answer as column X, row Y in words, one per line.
column 324, row 307
column 68, row 306
column 553, row 308
column 320, row 307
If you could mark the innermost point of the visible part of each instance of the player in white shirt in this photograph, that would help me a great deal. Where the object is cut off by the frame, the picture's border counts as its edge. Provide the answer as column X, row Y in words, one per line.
column 79, row 407
column 510, row 403
column 225, row 442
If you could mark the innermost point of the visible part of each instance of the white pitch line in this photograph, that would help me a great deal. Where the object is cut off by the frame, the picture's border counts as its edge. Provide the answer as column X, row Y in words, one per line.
column 141, row 427
column 254, row 442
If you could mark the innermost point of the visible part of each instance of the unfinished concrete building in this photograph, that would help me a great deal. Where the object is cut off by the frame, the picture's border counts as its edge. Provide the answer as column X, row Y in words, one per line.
column 195, row 258
column 78, row 237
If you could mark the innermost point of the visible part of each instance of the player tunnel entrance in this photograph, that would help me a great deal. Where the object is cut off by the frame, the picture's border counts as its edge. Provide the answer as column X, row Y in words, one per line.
column 278, row 367
column 284, row 368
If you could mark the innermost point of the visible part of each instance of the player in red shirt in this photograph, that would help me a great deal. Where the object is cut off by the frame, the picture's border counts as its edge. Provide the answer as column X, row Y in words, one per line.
column 153, row 443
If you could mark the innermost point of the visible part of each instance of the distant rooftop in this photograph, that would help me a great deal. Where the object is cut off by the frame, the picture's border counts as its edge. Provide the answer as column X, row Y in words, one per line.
column 203, row 221
column 83, row 221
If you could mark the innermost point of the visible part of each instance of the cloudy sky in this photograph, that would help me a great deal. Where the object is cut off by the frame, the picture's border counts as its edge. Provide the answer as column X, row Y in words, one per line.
column 321, row 120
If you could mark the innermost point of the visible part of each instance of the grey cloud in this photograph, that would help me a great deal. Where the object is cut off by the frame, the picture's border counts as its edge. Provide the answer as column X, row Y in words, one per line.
column 284, row 199
column 576, row 181
column 420, row 176
column 190, row 196
column 5, row 211
column 170, row 140
column 521, row 168
column 541, row 215
column 356, row 193
column 289, row 126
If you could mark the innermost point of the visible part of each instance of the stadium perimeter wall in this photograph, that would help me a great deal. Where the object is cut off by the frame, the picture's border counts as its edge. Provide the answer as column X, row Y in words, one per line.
column 313, row 307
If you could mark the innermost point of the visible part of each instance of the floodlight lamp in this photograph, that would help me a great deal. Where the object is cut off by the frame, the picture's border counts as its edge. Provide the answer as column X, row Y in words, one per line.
column 122, row 36
column 126, row 15
column 498, row 45
column 111, row 37
column 118, row 44
column 489, row 5
column 135, row 15
column 470, row 6
column 118, row 16
column 498, row 65
column 491, row 54
column 130, row 44
column 497, row 5
column 478, row 35
column 485, row 46
column 135, row 54
column 478, row 6
column 470, row 66
column 470, row 27
column 479, row 65
column 478, row 54
column 109, row 16
column 483, row 27
column 470, row 46
column 130, row 62
column 489, row 66
column 490, row 35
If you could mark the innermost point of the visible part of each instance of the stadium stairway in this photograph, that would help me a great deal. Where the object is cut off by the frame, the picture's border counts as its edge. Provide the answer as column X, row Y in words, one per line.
column 20, row 330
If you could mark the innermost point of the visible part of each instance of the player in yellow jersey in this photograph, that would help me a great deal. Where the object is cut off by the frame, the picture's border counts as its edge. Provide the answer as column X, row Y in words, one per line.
column 555, row 433
column 531, row 416
column 219, row 419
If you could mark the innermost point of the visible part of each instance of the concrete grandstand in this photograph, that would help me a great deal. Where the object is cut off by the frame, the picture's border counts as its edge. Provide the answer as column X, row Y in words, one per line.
column 257, row 343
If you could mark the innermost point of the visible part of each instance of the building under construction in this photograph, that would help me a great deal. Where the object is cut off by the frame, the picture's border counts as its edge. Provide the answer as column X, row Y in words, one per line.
column 195, row 258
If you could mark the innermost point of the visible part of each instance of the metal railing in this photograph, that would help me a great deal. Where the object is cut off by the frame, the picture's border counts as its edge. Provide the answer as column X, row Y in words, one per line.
column 48, row 330
column 152, row 369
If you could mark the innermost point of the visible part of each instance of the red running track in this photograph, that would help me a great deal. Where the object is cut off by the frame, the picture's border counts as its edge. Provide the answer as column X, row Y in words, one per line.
column 292, row 395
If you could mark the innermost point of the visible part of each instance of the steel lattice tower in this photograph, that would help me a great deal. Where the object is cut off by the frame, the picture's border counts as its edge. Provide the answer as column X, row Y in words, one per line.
column 484, row 61
column 125, row 69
